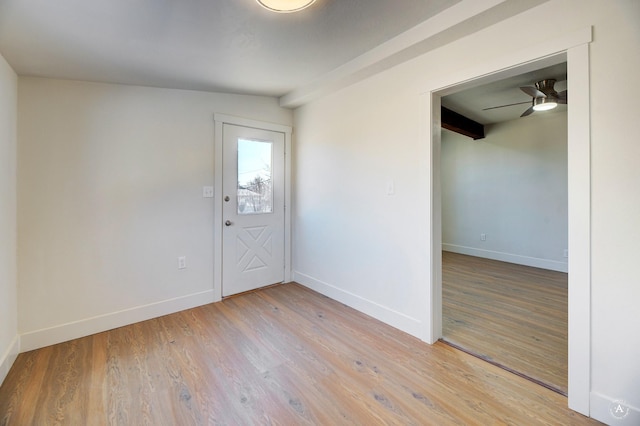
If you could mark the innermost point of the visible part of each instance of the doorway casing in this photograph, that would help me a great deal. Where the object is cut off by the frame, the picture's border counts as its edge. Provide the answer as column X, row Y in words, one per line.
column 574, row 49
column 220, row 120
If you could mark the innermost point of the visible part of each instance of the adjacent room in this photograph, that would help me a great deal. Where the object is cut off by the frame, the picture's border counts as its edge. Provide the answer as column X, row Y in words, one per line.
column 246, row 212
column 504, row 227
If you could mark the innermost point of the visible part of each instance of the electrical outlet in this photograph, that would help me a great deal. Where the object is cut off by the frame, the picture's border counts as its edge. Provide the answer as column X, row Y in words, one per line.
column 483, row 237
column 182, row 262
column 207, row 192
column 565, row 253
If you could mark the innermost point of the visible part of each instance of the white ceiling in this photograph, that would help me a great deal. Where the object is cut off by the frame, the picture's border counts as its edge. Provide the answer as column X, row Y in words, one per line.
column 231, row 46
column 236, row 46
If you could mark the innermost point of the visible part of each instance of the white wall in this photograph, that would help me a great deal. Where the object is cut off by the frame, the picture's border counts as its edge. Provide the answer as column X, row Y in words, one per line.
column 510, row 186
column 353, row 241
column 9, row 341
column 367, row 249
column 110, row 184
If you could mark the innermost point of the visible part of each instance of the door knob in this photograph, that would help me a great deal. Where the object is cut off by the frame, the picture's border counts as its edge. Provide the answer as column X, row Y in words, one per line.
column 227, row 198
column 228, row 223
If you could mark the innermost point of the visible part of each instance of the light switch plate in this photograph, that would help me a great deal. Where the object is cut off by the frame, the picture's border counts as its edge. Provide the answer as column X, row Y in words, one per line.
column 207, row 192
column 391, row 187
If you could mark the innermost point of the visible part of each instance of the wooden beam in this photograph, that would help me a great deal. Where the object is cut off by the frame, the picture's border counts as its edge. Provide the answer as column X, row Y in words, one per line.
column 458, row 123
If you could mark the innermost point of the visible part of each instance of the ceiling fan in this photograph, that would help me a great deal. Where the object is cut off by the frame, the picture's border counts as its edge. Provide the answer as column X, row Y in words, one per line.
column 544, row 97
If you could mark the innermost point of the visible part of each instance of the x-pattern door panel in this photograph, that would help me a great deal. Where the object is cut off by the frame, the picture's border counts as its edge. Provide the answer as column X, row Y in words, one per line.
column 254, row 248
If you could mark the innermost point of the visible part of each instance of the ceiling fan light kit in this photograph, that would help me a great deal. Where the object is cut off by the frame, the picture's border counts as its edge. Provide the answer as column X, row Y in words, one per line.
column 544, row 97
column 543, row 104
column 285, row 6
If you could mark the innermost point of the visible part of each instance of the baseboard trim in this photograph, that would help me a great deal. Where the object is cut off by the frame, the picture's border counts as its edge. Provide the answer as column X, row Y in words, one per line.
column 73, row 330
column 601, row 407
column 535, row 262
column 387, row 315
column 9, row 357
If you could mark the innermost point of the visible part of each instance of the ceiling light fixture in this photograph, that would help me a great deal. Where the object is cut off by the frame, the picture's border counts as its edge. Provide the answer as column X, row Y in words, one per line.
column 544, row 103
column 285, row 6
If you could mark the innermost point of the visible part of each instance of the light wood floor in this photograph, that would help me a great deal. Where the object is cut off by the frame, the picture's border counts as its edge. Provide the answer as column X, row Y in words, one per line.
column 513, row 315
column 285, row 355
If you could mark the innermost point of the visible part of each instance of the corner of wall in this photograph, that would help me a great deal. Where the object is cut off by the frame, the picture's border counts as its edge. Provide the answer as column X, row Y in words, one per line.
column 9, row 357
column 9, row 338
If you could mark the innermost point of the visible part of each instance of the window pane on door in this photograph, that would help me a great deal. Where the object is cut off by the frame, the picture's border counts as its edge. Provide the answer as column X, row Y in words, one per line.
column 255, row 192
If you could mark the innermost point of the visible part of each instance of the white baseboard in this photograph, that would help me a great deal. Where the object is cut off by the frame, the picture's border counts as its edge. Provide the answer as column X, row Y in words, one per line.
column 73, row 330
column 551, row 265
column 9, row 357
column 387, row 315
column 613, row 411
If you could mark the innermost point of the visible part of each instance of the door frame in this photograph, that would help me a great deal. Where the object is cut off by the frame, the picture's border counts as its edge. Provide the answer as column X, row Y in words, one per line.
column 219, row 121
column 574, row 49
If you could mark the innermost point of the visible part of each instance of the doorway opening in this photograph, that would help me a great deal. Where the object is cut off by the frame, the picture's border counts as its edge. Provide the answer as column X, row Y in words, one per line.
column 574, row 50
column 504, row 229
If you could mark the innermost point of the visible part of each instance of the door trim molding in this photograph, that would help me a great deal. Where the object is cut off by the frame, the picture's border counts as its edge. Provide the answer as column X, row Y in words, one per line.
column 574, row 49
column 219, row 120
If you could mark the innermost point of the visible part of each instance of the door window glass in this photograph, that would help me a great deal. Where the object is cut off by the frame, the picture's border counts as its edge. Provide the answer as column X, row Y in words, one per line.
column 255, row 187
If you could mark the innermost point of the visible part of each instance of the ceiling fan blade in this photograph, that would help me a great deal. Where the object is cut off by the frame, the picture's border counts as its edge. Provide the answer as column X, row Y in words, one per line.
column 533, row 92
column 502, row 106
column 562, row 97
column 527, row 112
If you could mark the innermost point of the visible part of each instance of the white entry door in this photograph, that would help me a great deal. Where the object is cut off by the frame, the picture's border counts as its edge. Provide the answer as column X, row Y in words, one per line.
column 252, row 208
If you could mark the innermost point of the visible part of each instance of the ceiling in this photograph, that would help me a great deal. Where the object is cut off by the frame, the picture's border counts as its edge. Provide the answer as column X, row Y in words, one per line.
column 472, row 102
column 232, row 46
column 236, row 46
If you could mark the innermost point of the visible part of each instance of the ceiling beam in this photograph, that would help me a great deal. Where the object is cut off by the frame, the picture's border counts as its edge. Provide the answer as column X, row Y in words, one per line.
column 456, row 22
column 458, row 123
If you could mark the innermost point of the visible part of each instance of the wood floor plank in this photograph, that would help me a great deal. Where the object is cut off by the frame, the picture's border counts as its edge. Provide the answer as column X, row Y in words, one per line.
column 510, row 314
column 281, row 356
